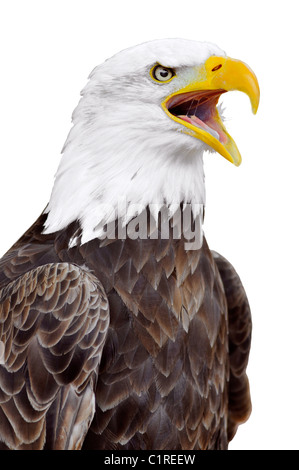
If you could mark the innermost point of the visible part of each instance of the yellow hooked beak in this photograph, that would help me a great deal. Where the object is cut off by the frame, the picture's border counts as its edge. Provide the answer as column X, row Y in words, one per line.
column 194, row 105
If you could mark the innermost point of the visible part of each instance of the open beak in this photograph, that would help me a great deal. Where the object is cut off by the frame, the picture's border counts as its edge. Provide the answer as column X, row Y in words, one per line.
column 194, row 106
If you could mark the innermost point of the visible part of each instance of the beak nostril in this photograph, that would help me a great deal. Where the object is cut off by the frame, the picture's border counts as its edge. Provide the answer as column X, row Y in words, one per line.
column 217, row 68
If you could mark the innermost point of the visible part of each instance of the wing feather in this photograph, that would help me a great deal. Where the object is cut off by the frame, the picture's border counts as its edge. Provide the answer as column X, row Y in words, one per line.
column 53, row 325
column 239, row 319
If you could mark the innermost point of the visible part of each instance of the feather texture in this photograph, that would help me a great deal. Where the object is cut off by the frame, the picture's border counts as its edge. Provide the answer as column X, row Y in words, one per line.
column 239, row 344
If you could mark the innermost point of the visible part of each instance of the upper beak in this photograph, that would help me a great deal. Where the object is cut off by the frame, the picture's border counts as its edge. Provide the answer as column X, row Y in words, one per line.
column 233, row 75
column 216, row 76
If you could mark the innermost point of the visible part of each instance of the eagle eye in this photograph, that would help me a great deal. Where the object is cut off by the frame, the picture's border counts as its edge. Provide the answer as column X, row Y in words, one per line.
column 162, row 74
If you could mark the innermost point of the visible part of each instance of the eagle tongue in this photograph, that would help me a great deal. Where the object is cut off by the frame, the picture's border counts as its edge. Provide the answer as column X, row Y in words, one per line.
column 199, row 123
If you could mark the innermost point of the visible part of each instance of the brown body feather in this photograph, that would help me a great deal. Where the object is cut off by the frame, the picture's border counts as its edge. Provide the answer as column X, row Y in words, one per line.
column 136, row 344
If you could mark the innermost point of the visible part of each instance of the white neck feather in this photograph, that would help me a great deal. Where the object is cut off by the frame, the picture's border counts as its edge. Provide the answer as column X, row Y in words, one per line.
column 94, row 191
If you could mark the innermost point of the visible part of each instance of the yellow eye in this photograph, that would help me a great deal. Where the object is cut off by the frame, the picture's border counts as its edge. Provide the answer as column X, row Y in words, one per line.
column 162, row 74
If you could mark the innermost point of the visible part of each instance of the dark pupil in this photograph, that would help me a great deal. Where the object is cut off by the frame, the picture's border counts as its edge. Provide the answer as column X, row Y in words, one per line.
column 164, row 73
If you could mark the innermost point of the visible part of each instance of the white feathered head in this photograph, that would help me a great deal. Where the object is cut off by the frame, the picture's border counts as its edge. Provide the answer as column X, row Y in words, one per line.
column 140, row 129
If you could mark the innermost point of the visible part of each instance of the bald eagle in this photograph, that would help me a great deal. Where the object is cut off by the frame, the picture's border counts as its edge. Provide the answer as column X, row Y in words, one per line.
column 119, row 328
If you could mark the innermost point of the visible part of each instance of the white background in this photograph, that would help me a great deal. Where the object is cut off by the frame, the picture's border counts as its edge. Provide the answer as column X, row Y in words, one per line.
column 48, row 49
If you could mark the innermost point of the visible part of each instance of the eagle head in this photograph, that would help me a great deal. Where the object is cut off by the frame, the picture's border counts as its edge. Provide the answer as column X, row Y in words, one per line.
column 141, row 127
